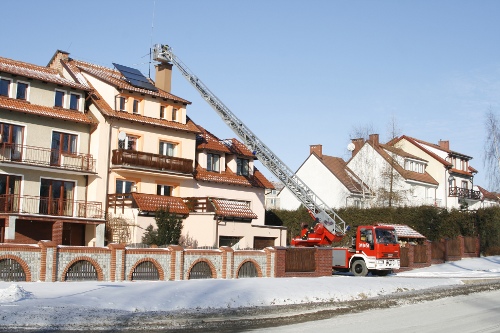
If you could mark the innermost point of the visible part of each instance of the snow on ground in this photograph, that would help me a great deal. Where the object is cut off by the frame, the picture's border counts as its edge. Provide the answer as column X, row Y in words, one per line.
column 79, row 298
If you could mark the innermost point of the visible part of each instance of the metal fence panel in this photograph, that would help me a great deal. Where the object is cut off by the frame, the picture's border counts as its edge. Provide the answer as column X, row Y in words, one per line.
column 146, row 271
column 200, row 270
column 11, row 270
column 247, row 270
column 82, row 270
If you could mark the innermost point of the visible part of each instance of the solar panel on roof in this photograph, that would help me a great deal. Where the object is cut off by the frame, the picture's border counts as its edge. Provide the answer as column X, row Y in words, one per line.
column 135, row 78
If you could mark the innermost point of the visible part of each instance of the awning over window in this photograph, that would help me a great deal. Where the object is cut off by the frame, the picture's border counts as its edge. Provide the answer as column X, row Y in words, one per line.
column 233, row 209
column 152, row 202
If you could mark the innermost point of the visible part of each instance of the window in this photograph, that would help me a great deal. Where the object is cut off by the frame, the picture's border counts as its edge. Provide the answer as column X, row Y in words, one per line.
column 167, row 148
column 124, row 186
column 465, row 184
column 162, row 112
column 242, row 167
column 129, row 143
column 174, row 114
column 56, row 197
column 163, row 190
column 121, row 103
column 5, row 87
column 12, row 137
column 59, row 101
column 213, row 162
column 74, row 101
column 135, row 107
column 62, row 143
column 22, row 90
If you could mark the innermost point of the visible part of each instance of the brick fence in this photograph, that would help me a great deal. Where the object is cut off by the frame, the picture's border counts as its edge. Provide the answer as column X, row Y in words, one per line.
column 49, row 262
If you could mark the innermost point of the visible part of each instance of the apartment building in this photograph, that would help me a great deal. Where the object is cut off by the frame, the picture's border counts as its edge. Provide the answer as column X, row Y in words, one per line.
column 46, row 168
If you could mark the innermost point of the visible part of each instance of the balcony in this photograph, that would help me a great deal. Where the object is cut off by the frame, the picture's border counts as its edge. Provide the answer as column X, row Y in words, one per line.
column 32, row 205
column 464, row 193
column 37, row 156
column 133, row 158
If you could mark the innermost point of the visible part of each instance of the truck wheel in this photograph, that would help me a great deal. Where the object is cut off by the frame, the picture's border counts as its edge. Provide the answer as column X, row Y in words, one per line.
column 359, row 268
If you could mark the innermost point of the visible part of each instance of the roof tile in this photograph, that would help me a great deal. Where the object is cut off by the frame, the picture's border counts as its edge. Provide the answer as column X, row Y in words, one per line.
column 233, row 208
column 152, row 202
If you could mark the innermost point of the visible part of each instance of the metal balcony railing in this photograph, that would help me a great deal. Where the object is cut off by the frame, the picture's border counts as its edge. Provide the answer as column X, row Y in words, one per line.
column 11, row 152
column 151, row 161
column 464, row 193
column 26, row 204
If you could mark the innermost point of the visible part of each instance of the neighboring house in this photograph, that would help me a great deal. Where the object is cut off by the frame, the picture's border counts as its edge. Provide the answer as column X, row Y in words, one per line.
column 396, row 177
column 152, row 157
column 450, row 168
column 330, row 179
column 228, row 207
column 488, row 199
column 46, row 168
column 272, row 200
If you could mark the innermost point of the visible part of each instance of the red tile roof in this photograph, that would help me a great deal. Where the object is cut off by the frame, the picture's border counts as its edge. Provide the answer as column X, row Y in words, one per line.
column 230, row 178
column 338, row 167
column 404, row 231
column 232, row 209
column 44, row 111
column 152, row 202
column 238, row 148
column 115, row 78
column 488, row 195
column 37, row 72
column 206, row 140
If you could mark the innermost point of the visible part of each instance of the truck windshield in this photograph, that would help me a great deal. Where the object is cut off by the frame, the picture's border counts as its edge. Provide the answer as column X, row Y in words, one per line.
column 385, row 236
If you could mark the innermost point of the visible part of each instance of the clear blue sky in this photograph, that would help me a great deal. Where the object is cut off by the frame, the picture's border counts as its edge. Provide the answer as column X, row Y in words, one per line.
column 296, row 72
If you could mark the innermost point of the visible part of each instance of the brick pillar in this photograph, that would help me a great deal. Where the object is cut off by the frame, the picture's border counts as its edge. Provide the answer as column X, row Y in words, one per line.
column 48, row 260
column 176, row 262
column 57, row 232
column 279, row 261
column 117, row 264
column 324, row 261
column 227, row 262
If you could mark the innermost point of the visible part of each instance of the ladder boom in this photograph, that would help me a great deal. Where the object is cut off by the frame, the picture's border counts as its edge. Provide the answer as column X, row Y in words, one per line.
column 325, row 215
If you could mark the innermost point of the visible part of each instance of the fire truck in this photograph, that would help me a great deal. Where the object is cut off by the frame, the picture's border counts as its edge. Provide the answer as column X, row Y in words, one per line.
column 374, row 248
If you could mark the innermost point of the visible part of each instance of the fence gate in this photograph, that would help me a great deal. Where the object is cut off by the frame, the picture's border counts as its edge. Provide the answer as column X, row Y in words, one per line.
column 300, row 259
column 247, row 270
column 145, row 271
column 200, row 270
column 81, row 270
column 11, row 270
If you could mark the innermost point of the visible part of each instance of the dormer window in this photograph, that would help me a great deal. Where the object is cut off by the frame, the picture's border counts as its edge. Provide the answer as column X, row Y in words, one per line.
column 74, row 101
column 5, row 87
column 162, row 112
column 174, row 114
column 22, row 90
column 59, row 99
column 121, row 104
column 213, row 161
column 135, row 107
column 414, row 166
column 242, row 167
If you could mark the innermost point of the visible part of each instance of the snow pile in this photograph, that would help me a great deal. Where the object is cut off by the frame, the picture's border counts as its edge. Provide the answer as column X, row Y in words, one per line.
column 14, row 293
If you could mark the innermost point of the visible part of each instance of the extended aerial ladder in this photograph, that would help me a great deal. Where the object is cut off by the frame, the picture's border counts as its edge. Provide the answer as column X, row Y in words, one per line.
column 325, row 217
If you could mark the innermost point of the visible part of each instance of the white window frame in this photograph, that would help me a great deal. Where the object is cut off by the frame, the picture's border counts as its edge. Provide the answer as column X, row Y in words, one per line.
column 165, row 149
column 162, row 189
column 80, row 96
column 211, row 162
column 65, row 97
column 9, row 90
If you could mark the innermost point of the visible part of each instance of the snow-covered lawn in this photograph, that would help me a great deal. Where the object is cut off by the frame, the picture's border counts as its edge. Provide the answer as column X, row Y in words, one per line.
column 41, row 303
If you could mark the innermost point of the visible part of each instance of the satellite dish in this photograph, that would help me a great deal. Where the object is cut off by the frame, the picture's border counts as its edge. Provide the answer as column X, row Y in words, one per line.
column 122, row 135
column 351, row 146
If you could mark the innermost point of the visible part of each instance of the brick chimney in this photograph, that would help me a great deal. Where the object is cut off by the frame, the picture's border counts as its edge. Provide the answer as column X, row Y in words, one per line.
column 374, row 139
column 55, row 62
column 318, row 149
column 358, row 143
column 444, row 144
column 163, row 77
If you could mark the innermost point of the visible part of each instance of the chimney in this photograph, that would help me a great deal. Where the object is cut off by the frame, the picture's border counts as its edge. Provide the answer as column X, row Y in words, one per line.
column 318, row 149
column 374, row 139
column 55, row 62
column 444, row 144
column 358, row 143
column 163, row 77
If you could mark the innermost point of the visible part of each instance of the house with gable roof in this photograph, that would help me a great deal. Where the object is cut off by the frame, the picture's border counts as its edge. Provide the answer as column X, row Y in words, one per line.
column 488, row 199
column 331, row 179
column 47, row 171
column 153, row 155
column 450, row 168
column 229, row 207
column 397, row 177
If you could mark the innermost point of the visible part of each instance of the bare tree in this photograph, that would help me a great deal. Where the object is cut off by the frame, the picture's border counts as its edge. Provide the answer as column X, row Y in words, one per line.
column 492, row 149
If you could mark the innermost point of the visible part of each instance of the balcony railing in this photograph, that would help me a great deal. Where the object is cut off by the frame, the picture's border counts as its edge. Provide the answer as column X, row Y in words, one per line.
column 199, row 204
column 464, row 193
column 46, row 157
column 151, row 161
column 26, row 204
